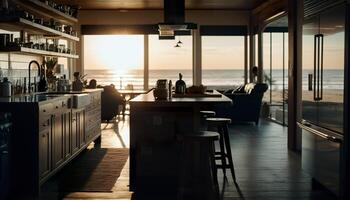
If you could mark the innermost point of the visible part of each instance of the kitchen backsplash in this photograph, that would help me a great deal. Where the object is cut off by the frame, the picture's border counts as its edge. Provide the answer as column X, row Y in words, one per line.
column 15, row 66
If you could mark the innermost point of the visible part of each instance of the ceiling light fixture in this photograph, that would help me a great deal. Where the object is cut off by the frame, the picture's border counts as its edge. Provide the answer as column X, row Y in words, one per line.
column 179, row 42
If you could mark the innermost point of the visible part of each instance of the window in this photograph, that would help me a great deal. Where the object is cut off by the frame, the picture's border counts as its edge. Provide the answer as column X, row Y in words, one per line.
column 115, row 59
column 166, row 61
column 222, row 61
column 275, row 50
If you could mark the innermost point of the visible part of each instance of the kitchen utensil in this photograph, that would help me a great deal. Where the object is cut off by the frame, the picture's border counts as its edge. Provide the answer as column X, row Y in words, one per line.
column 180, row 86
column 6, row 87
column 161, row 90
column 42, row 86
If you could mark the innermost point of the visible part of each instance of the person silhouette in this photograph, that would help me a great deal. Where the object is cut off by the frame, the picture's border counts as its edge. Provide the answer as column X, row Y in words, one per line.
column 255, row 74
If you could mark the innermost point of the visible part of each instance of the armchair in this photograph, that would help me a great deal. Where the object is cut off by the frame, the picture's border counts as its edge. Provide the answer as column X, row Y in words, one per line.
column 111, row 103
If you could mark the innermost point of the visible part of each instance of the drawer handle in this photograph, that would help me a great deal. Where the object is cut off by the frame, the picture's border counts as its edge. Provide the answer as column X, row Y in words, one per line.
column 44, row 110
column 56, row 107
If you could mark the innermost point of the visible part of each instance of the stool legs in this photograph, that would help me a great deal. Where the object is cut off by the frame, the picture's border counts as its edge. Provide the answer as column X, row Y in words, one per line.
column 222, row 151
column 225, row 148
column 229, row 154
column 192, row 183
column 214, row 171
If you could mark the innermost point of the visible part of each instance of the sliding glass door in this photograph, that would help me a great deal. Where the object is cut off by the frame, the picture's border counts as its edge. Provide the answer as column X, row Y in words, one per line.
column 275, row 51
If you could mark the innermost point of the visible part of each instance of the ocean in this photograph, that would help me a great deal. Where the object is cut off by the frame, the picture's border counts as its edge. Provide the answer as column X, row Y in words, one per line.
column 333, row 79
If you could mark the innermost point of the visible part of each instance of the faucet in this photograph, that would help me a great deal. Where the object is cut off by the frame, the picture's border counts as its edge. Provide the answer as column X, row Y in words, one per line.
column 39, row 69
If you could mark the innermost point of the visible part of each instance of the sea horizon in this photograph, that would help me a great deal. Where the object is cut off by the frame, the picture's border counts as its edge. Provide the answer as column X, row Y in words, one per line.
column 224, row 78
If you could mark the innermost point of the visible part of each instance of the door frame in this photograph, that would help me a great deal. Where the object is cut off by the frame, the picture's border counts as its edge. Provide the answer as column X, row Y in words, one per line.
column 295, row 25
column 345, row 161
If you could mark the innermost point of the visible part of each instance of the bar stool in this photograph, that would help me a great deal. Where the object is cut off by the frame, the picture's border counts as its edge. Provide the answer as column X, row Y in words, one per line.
column 204, row 115
column 207, row 113
column 225, row 148
column 198, row 168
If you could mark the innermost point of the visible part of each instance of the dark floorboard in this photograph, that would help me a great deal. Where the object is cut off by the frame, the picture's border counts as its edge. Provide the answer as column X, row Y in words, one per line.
column 265, row 169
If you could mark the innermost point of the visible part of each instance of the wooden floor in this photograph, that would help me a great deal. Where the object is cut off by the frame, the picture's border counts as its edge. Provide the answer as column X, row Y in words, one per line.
column 265, row 169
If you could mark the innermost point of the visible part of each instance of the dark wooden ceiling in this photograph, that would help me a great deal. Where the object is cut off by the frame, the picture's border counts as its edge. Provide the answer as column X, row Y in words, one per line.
column 158, row 4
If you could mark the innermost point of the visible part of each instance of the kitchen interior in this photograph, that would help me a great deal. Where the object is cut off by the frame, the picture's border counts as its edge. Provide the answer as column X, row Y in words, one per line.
column 64, row 136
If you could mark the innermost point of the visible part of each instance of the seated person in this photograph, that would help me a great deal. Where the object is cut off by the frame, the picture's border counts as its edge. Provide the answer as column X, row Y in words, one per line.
column 92, row 84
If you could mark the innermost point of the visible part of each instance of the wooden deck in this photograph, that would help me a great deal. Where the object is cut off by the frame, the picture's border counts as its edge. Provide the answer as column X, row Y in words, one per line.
column 265, row 169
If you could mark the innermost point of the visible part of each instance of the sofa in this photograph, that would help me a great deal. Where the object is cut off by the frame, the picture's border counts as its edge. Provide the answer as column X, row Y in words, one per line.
column 247, row 100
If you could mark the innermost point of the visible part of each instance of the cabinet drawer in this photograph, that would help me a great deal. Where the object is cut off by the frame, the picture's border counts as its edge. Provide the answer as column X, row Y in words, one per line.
column 60, row 104
column 44, row 123
column 45, row 109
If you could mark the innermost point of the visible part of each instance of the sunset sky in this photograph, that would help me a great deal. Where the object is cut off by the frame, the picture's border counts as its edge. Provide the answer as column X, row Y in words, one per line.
column 124, row 52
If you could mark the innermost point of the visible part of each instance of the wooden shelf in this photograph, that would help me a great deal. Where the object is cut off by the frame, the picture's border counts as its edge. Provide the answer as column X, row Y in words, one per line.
column 37, row 7
column 24, row 50
column 18, row 24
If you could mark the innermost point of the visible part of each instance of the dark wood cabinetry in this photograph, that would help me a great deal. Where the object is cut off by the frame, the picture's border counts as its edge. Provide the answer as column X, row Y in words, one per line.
column 93, row 117
column 64, row 132
column 81, row 127
column 48, row 136
column 45, row 150
column 75, row 133
column 67, row 116
column 78, row 129
column 57, row 140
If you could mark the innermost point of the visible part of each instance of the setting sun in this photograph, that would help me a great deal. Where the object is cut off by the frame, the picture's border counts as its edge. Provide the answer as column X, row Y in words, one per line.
column 118, row 53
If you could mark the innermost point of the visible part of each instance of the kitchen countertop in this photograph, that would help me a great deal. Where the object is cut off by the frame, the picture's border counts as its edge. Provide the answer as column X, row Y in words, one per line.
column 43, row 97
column 149, row 99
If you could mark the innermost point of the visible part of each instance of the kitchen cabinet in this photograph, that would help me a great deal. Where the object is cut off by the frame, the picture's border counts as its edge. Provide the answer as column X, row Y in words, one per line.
column 81, row 127
column 57, row 140
column 74, row 133
column 93, row 118
column 78, row 129
column 59, row 134
column 45, row 148
column 48, row 137
column 67, row 134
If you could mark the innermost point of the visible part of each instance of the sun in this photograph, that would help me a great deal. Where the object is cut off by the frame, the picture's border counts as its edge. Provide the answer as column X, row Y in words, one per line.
column 119, row 53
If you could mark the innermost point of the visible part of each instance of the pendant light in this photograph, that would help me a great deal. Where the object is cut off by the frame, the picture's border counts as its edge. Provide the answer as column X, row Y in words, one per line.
column 179, row 42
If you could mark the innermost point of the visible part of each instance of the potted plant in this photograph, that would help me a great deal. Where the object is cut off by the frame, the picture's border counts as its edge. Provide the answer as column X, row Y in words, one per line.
column 50, row 64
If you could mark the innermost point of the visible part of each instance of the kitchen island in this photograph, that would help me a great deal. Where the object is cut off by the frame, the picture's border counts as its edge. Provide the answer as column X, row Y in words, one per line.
column 154, row 125
column 49, row 130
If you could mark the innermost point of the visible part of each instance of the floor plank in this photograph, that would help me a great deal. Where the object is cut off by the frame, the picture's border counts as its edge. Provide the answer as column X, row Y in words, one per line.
column 265, row 169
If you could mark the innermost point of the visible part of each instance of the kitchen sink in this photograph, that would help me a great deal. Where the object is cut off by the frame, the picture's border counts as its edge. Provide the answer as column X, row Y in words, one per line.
column 80, row 100
column 67, row 92
column 77, row 100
